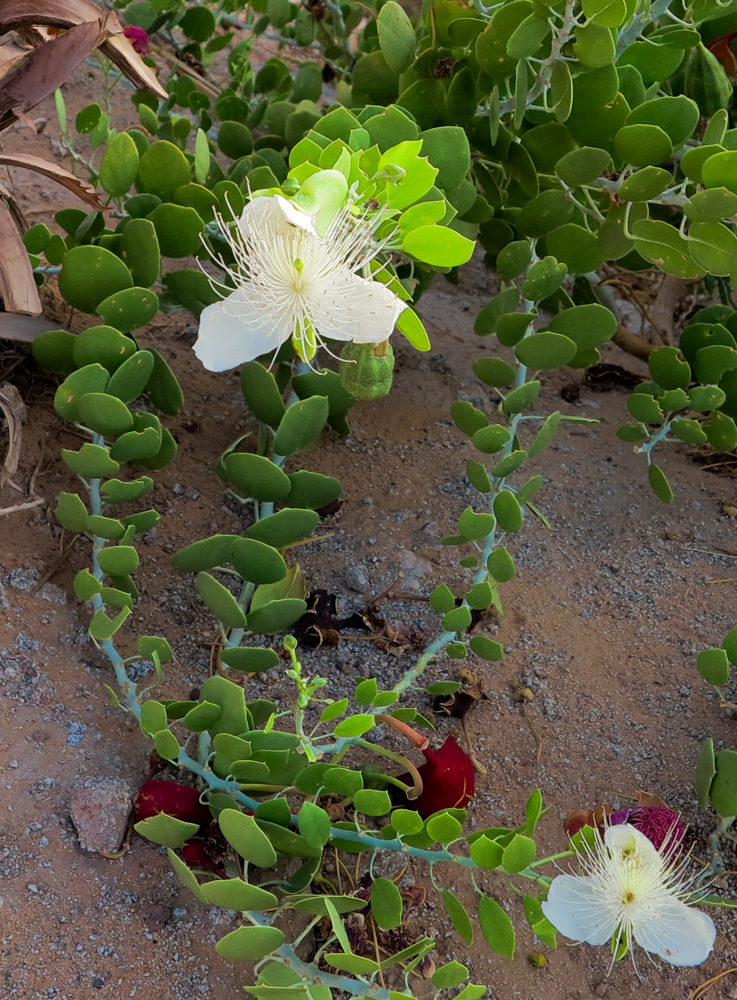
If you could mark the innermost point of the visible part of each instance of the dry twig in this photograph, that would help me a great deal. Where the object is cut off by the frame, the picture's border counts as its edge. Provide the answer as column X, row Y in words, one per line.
column 15, row 414
column 701, row 990
column 21, row 506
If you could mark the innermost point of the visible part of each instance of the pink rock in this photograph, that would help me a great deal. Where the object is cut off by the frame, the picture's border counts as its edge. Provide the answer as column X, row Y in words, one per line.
column 99, row 809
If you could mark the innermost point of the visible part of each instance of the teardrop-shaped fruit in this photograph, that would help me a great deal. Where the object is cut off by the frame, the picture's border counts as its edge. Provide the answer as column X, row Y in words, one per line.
column 706, row 82
column 366, row 370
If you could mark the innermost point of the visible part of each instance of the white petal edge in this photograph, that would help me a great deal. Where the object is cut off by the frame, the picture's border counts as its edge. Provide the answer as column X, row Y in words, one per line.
column 232, row 332
column 355, row 309
column 263, row 215
column 576, row 907
column 675, row 932
column 295, row 216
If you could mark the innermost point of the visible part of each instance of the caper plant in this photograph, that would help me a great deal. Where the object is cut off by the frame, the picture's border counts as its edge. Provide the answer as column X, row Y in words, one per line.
column 564, row 138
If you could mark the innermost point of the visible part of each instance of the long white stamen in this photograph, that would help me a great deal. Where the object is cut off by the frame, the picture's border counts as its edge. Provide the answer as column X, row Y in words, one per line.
column 629, row 893
column 285, row 282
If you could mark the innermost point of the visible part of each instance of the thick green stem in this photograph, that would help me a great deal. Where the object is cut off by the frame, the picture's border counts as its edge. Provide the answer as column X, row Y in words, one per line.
column 412, row 792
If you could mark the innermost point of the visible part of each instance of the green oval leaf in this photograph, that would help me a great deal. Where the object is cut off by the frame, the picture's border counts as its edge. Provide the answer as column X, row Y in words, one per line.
column 285, row 527
column 129, row 309
column 220, row 601
column 119, row 165
column 543, row 351
column 167, row 831
column 386, row 904
column 396, row 37
column 248, row 944
column 104, row 414
column 659, row 483
column 256, row 477
column 246, row 837
column 713, row 666
column 496, row 927
column 301, row 425
column 164, row 168
column 90, row 274
column 438, row 246
column 458, row 915
column 723, row 792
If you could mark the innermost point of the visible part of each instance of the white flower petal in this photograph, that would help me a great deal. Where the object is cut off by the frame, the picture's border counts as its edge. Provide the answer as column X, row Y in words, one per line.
column 263, row 214
column 296, row 217
column 233, row 332
column 352, row 308
column 633, row 893
column 291, row 280
column 678, row 934
column 625, row 840
column 577, row 908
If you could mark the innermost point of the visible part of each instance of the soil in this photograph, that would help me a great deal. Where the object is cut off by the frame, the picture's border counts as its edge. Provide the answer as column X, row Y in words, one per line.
column 603, row 622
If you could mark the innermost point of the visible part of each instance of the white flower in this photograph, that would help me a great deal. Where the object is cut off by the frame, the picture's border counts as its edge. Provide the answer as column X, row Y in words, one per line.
column 631, row 893
column 291, row 282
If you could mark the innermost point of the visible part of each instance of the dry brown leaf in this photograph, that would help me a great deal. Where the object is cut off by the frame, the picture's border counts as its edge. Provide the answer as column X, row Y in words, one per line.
column 117, row 47
column 649, row 800
column 82, row 189
column 14, row 207
column 46, row 68
column 15, row 414
column 14, row 326
column 17, row 286
column 58, row 13
column 120, row 50
column 10, row 54
column 415, row 896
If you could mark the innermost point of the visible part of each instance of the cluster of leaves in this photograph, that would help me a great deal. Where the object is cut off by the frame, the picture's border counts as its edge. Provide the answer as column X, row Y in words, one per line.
column 245, row 760
column 566, row 134
column 49, row 61
column 251, row 758
column 671, row 404
column 716, row 773
column 270, row 596
column 574, row 330
column 105, row 372
column 325, row 27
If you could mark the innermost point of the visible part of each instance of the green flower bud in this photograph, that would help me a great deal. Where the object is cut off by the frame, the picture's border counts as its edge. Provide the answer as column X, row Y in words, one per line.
column 322, row 195
column 290, row 187
column 366, row 370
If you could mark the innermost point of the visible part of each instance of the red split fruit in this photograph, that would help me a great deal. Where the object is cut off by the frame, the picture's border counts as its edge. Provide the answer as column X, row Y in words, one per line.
column 180, row 801
column 448, row 779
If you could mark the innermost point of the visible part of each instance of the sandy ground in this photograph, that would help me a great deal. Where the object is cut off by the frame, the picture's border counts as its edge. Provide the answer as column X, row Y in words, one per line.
column 603, row 623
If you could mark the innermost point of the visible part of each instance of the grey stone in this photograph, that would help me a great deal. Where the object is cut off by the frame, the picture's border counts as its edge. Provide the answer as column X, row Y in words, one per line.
column 53, row 594
column 415, row 569
column 356, row 578
column 75, row 734
column 22, row 578
column 140, row 669
column 99, row 810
